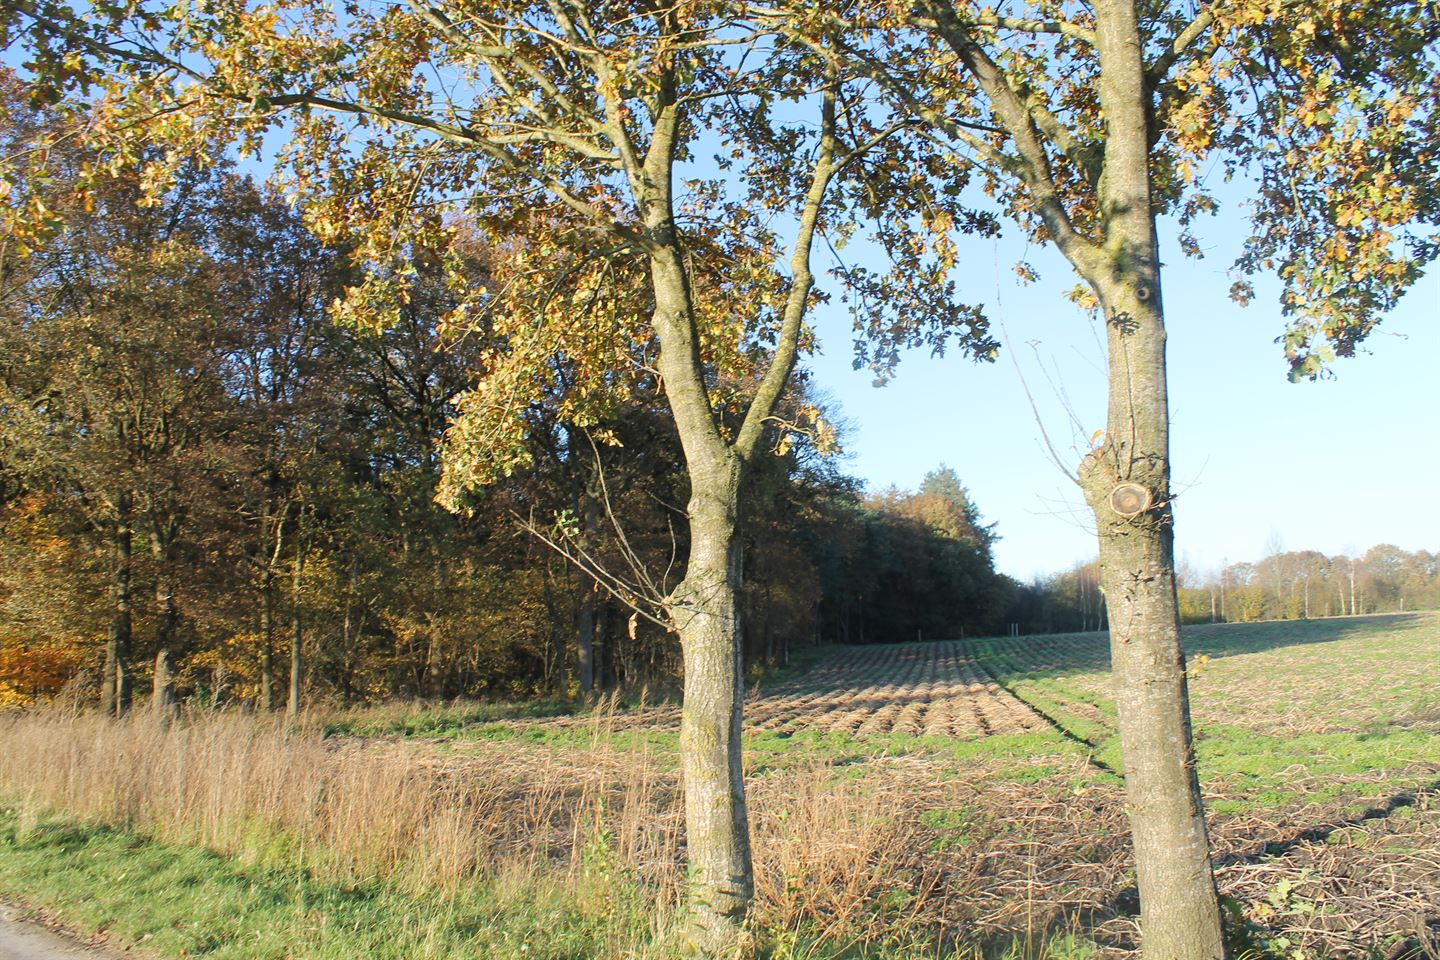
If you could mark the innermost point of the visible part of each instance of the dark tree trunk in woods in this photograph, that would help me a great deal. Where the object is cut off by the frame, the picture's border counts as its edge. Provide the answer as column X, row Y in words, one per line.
column 115, row 685
column 267, row 641
column 558, row 651
column 162, row 696
column 297, row 634
column 585, row 614
column 585, row 636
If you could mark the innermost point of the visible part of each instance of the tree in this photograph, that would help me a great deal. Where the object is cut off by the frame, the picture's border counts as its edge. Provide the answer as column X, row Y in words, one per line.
column 113, row 378
column 1089, row 121
column 571, row 124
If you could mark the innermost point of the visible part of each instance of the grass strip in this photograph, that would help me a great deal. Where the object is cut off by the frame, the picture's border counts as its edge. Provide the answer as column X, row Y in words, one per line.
column 178, row 901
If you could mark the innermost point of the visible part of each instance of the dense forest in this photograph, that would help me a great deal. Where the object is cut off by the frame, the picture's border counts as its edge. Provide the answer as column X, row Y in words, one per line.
column 209, row 480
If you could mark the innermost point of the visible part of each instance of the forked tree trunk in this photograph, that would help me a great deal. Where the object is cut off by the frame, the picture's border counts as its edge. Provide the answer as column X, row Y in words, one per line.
column 1127, row 485
column 704, row 609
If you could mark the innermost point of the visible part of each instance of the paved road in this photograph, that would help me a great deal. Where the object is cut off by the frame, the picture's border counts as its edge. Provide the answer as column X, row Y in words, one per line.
column 23, row 940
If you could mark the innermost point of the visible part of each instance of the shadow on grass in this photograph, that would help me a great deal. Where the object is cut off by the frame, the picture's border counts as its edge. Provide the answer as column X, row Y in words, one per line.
column 1063, row 654
column 1321, row 832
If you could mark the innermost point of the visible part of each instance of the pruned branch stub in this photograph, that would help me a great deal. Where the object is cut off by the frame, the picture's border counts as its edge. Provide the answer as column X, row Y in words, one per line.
column 1130, row 500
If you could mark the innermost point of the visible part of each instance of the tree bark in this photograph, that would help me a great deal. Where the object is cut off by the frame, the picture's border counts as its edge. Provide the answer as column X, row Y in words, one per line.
column 115, row 686
column 162, row 698
column 1180, row 913
column 162, row 693
column 297, row 625
column 585, row 635
column 704, row 609
column 706, row 612
column 267, row 641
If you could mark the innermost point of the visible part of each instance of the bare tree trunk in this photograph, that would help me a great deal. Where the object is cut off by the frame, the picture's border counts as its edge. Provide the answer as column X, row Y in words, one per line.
column 1180, row 915
column 1180, row 912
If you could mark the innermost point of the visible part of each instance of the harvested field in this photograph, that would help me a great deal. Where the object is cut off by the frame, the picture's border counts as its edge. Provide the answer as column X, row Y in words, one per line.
column 1319, row 749
column 916, row 689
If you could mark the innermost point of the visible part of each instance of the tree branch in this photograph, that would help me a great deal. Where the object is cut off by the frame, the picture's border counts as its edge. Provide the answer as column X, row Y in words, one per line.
column 772, row 385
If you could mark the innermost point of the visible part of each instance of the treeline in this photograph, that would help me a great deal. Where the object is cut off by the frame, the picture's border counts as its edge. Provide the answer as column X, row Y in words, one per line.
column 1285, row 585
column 1300, row 584
column 211, row 489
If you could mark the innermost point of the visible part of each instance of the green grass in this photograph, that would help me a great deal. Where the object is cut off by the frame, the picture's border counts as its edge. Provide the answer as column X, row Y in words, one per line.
column 200, row 905
column 1286, row 713
column 179, row 901
column 448, row 720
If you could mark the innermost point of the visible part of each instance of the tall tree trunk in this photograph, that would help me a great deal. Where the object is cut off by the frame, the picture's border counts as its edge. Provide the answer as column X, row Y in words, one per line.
column 162, row 697
column 162, row 694
column 706, row 611
column 115, row 686
column 1180, row 916
column 1126, row 482
column 297, row 625
column 267, row 640
column 704, row 608
column 585, row 635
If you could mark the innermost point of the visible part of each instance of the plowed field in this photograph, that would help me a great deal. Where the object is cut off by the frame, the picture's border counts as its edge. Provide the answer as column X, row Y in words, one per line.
column 917, row 689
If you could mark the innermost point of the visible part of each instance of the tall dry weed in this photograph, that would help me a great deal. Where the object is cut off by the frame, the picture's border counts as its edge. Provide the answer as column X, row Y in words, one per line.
column 834, row 855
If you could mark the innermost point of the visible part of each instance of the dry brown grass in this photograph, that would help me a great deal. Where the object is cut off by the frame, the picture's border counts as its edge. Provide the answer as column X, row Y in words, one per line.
column 834, row 855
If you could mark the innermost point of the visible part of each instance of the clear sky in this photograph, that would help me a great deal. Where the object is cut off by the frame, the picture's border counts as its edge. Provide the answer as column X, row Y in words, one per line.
column 1336, row 465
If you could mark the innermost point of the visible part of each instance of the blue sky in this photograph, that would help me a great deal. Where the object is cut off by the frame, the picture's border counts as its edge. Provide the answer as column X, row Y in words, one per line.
column 1336, row 465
